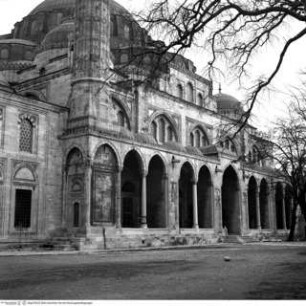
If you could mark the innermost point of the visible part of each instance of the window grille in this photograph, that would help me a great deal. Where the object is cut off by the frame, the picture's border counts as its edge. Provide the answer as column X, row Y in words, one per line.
column 26, row 136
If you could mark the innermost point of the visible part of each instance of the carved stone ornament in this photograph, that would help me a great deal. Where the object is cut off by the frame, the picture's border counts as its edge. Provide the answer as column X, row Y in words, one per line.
column 28, row 116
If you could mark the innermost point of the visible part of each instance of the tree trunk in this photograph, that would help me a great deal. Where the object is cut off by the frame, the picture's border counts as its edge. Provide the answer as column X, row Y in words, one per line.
column 293, row 222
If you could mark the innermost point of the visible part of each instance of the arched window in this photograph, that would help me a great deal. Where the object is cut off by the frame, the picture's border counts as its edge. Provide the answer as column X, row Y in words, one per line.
column 26, row 135
column 200, row 100
column 189, row 92
column 198, row 138
column 229, row 146
column 205, row 141
column 154, row 130
column 121, row 120
column 179, row 89
column 169, row 133
column 162, row 130
column 120, row 116
column 191, row 139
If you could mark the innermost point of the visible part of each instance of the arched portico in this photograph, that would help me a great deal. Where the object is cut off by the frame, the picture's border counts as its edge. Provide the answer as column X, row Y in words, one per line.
column 264, row 204
column 205, row 198
column 279, row 198
column 186, row 196
column 231, row 201
column 288, row 206
column 131, row 190
column 156, row 193
column 252, row 195
column 104, row 177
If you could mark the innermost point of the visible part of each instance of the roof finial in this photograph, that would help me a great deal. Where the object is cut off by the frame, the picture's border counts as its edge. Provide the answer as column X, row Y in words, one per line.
column 220, row 89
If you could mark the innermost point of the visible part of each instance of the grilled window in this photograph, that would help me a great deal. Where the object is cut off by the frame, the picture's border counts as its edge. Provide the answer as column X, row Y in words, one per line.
column 26, row 136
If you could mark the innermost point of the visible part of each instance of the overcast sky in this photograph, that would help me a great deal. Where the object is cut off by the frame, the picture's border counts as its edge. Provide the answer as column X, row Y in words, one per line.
column 12, row 11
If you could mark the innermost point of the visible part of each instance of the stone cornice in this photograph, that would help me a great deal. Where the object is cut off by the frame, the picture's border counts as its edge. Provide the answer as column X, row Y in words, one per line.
column 8, row 99
column 110, row 135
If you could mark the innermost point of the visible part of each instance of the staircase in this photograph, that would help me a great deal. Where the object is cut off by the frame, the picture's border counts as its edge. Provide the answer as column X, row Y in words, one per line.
column 232, row 239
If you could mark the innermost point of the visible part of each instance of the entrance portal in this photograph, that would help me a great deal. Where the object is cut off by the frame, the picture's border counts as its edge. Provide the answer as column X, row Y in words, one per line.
column 230, row 201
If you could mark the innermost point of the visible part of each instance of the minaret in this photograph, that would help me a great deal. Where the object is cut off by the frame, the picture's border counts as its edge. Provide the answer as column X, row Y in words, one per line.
column 89, row 98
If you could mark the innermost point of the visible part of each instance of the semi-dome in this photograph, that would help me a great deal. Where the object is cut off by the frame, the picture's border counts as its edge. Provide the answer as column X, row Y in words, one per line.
column 225, row 101
column 59, row 36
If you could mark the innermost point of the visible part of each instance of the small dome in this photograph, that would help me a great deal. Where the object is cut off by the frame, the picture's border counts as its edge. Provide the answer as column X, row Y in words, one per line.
column 225, row 101
column 59, row 36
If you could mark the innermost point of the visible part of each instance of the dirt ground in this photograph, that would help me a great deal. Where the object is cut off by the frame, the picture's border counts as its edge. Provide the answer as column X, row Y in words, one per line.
column 253, row 272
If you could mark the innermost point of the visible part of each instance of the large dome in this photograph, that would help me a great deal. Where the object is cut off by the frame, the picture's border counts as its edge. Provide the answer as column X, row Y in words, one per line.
column 53, row 5
column 50, row 5
column 51, row 13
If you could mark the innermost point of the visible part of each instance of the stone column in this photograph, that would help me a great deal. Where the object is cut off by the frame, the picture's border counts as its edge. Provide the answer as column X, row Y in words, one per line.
column 118, row 199
column 195, row 205
column 272, row 208
column 144, row 201
column 87, row 197
column 64, row 193
column 166, row 199
column 284, row 208
column 258, row 208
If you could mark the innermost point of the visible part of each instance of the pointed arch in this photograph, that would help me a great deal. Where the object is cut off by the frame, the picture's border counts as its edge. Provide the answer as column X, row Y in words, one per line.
column 190, row 92
column 131, row 176
column 252, row 195
column 121, row 110
column 156, row 193
column 198, row 137
column 205, row 198
column 231, row 201
column 264, row 204
column 187, row 178
column 179, row 91
column 164, row 127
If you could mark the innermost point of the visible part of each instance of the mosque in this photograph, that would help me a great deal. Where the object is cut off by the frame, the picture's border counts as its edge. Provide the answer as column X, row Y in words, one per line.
column 91, row 152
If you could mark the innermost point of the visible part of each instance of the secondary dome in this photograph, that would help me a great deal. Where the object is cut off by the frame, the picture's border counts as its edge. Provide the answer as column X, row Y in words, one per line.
column 225, row 101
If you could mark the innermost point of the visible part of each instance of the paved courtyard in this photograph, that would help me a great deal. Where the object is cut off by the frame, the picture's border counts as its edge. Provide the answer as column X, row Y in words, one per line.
column 253, row 272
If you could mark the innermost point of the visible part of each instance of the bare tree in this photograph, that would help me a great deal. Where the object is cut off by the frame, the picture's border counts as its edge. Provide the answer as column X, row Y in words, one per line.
column 289, row 155
column 232, row 30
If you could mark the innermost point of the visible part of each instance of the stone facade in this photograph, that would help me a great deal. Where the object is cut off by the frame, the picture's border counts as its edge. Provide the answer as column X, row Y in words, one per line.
column 91, row 151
